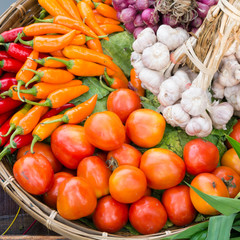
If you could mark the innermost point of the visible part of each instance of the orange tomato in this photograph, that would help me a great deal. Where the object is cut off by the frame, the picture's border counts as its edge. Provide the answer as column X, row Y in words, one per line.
column 231, row 159
column 235, row 134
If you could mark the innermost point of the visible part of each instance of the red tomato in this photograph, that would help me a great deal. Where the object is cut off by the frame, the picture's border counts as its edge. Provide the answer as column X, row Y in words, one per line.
column 127, row 184
column 209, row 184
column 178, row 205
column 76, row 199
column 230, row 178
column 43, row 149
column 147, row 215
column 110, row 215
column 145, row 127
column 231, row 159
column 126, row 155
column 50, row 197
column 200, row 156
column 105, row 130
column 162, row 167
column 235, row 134
column 34, row 173
column 96, row 173
column 70, row 145
column 123, row 101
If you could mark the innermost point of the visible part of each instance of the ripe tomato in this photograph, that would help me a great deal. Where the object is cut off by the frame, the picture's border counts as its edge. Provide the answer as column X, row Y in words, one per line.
column 200, row 156
column 178, row 205
column 147, row 215
column 76, row 199
column 70, row 146
column 162, row 167
column 43, row 149
column 231, row 159
column 123, row 101
column 50, row 197
column 145, row 127
column 96, row 173
column 235, row 134
column 127, row 184
column 126, row 155
column 105, row 130
column 34, row 173
column 110, row 215
column 209, row 184
column 230, row 178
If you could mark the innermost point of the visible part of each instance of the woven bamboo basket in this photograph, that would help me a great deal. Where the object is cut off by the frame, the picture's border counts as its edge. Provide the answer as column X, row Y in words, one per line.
column 19, row 14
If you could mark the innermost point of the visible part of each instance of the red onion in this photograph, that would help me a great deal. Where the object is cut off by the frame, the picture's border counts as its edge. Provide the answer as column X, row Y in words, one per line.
column 155, row 27
column 169, row 20
column 130, row 27
column 197, row 22
column 138, row 22
column 137, row 31
column 128, row 15
column 142, row 4
column 202, row 9
column 208, row 2
column 150, row 17
column 131, row 2
column 194, row 30
column 119, row 5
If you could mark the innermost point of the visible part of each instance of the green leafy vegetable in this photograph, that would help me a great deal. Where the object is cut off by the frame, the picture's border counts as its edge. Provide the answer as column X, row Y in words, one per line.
column 235, row 144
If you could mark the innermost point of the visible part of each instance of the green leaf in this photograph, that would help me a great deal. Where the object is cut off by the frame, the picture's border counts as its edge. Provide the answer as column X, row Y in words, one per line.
column 129, row 228
column 87, row 222
column 101, row 105
column 235, row 144
column 220, row 227
column 150, row 101
column 119, row 47
column 224, row 205
column 200, row 235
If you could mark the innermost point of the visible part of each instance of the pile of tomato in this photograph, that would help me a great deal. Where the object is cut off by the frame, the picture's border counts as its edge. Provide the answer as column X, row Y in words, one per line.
column 96, row 170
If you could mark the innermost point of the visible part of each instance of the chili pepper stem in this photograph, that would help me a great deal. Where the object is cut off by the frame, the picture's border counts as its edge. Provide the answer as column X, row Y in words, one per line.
column 105, row 86
column 4, row 94
column 44, row 20
column 35, row 139
column 4, row 152
column 28, row 43
column 9, row 131
column 109, row 80
column 47, row 102
column 36, row 78
column 20, row 83
column 64, row 119
column 69, row 64
column 18, row 131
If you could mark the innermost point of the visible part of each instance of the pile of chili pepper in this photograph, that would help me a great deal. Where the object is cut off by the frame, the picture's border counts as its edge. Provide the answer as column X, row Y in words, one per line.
column 39, row 64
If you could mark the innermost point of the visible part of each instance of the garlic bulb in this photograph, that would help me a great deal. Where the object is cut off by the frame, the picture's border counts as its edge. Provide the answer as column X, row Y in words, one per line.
column 218, row 90
column 232, row 49
column 145, row 39
column 194, row 101
column 191, row 74
column 151, row 80
column 176, row 116
column 232, row 94
column 220, row 114
column 199, row 126
column 156, row 57
column 182, row 80
column 238, row 54
column 171, row 37
column 136, row 61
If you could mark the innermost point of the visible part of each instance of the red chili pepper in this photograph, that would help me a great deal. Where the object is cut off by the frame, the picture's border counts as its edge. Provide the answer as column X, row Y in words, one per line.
column 6, row 83
column 56, row 111
column 17, row 51
column 1, row 72
column 3, row 55
column 8, row 104
column 10, row 65
column 8, row 75
column 19, row 142
column 3, row 130
column 11, row 35
column 4, row 117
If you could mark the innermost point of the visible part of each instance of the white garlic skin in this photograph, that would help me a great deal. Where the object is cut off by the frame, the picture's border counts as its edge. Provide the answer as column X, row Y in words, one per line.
column 191, row 75
column 176, row 116
column 145, row 39
column 156, row 57
column 220, row 114
column 232, row 49
column 151, row 80
column 136, row 61
column 194, row 101
column 172, row 37
column 238, row 54
column 182, row 80
column 218, row 90
column 232, row 94
column 199, row 126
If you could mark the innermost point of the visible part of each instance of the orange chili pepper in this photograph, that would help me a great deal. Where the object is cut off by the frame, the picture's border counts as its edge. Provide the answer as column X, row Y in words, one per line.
column 37, row 29
column 57, row 53
column 71, row 8
column 119, row 74
column 78, row 52
column 42, row 90
column 48, row 17
column 111, row 28
column 42, row 131
column 77, row 114
column 135, row 83
column 108, row 2
column 28, row 122
column 95, row 44
column 71, row 23
column 50, row 75
column 61, row 96
column 50, row 63
column 15, row 119
column 88, row 15
column 53, row 8
column 115, row 82
column 80, row 39
column 89, row 2
column 23, row 76
column 49, row 43
column 83, row 68
column 106, row 10
column 103, row 20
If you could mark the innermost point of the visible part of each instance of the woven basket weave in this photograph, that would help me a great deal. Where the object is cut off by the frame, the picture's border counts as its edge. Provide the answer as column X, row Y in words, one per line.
column 19, row 14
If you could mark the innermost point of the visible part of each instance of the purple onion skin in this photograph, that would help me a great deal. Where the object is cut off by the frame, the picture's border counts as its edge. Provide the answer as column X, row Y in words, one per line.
column 138, row 22
column 166, row 19
column 155, row 28
column 130, row 27
column 142, row 4
column 128, row 15
column 137, row 31
column 208, row 2
column 197, row 22
column 131, row 2
column 119, row 5
column 194, row 30
column 150, row 17
column 202, row 10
